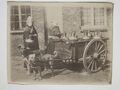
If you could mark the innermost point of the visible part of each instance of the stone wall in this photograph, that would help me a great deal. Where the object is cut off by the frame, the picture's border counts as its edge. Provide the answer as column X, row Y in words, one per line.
column 15, row 40
column 71, row 19
column 38, row 18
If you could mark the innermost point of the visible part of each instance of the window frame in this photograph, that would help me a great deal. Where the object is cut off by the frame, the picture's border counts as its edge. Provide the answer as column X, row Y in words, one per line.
column 92, row 25
column 84, row 15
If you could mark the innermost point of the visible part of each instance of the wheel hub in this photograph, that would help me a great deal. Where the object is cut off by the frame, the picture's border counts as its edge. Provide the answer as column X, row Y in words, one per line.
column 95, row 55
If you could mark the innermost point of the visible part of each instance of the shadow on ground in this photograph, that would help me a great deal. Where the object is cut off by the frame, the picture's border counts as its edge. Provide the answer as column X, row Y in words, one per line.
column 60, row 67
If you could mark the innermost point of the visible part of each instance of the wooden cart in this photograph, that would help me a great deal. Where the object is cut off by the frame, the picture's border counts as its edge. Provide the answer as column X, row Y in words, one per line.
column 91, row 52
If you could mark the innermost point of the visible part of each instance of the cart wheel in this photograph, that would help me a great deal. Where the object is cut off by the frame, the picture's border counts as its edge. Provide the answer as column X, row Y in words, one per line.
column 94, row 55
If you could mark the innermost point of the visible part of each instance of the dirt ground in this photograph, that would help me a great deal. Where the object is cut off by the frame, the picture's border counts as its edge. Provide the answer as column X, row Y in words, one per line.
column 64, row 74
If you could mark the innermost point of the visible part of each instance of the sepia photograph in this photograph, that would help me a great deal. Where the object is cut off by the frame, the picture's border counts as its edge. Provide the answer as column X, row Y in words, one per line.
column 59, row 43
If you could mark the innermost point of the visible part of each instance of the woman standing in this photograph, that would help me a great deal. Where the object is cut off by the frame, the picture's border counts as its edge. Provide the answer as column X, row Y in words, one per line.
column 30, row 38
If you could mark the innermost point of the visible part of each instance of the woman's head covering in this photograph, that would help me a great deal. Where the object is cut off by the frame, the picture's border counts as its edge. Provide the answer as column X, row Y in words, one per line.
column 29, row 21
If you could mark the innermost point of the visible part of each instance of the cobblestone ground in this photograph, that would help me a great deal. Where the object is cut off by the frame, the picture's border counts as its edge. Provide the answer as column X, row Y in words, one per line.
column 65, row 74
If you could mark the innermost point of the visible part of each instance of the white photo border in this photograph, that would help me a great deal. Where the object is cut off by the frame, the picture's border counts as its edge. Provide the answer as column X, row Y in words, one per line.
column 116, row 53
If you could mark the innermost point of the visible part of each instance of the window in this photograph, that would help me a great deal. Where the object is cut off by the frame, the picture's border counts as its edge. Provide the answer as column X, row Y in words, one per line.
column 25, row 12
column 14, row 18
column 99, row 16
column 93, row 16
column 19, row 15
column 86, row 16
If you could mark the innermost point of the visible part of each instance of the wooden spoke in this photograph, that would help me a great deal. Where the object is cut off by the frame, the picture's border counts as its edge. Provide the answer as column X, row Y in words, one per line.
column 90, row 64
column 92, row 67
column 101, row 52
column 95, row 65
column 98, row 45
column 100, row 48
column 89, row 59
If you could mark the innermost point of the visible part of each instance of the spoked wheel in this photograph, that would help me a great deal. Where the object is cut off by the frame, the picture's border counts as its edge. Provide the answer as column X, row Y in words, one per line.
column 94, row 55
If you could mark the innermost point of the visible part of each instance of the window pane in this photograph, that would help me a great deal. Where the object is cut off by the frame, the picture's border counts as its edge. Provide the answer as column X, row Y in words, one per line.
column 16, row 18
column 99, row 16
column 24, row 17
column 15, row 9
column 16, row 25
column 23, row 24
column 12, row 10
column 12, row 26
column 28, row 9
column 23, row 10
column 86, row 16
column 12, row 18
